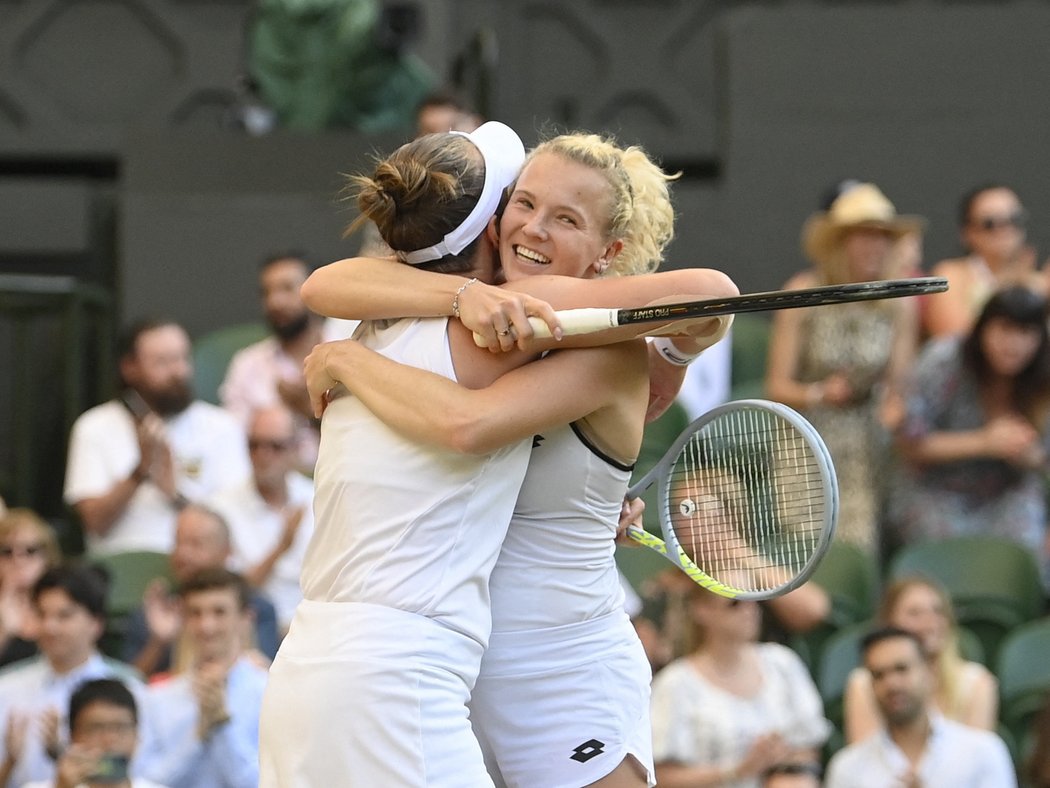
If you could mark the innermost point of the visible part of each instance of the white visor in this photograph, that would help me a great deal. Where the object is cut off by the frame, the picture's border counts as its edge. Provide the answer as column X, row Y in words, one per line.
column 504, row 153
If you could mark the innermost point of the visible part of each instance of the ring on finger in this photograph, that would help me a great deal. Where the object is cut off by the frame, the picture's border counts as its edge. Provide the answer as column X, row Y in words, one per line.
column 504, row 332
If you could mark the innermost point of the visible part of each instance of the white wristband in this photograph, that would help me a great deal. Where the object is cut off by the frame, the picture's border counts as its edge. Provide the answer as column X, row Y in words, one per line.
column 666, row 348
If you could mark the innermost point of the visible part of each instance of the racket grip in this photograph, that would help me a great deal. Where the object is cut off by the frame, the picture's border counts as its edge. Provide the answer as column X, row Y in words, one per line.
column 573, row 321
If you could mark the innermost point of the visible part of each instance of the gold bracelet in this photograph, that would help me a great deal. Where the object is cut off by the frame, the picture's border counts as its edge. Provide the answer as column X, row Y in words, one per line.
column 455, row 298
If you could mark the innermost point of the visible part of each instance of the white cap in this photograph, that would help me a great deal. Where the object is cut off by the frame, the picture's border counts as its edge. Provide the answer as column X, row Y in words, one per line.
column 504, row 153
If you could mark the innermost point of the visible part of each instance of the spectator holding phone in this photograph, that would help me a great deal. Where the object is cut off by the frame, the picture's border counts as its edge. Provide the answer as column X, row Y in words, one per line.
column 103, row 735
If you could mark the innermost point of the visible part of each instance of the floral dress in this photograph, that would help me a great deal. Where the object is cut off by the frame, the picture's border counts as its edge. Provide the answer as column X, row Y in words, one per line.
column 855, row 340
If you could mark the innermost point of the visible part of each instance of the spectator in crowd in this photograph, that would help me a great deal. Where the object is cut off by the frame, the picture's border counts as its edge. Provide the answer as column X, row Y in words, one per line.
column 202, row 541
column 734, row 707
column 841, row 365
column 444, row 111
column 798, row 774
column 915, row 746
column 136, row 460
column 271, row 515
column 28, row 548
column 70, row 602
column 992, row 226
column 963, row 691
column 665, row 624
column 206, row 718
column 103, row 734
column 270, row 372
column 974, row 437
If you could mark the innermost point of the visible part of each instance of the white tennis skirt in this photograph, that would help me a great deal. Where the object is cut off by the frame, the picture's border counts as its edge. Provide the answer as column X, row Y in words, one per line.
column 370, row 696
column 563, row 707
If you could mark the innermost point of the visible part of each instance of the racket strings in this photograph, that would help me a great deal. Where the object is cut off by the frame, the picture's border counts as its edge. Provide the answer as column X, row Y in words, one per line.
column 746, row 500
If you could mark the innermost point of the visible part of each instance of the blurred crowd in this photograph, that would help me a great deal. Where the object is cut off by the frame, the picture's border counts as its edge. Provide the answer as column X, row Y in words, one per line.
column 936, row 412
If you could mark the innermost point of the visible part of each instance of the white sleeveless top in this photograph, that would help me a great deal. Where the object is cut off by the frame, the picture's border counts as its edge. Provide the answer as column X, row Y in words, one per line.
column 557, row 566
column 404, row 525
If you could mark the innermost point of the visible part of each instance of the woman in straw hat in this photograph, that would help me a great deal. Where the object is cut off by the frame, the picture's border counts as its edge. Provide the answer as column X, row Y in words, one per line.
column 841, row 364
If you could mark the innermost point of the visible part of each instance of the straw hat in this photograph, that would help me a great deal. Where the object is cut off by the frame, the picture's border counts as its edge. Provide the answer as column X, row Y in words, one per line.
column 861, row 205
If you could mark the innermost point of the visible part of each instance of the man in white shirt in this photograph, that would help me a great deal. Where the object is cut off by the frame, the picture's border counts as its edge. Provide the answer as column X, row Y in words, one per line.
column 136, row 460
column 917, row 746
column 35, row 693
column 271, row 515
column 270, row 372
column 206, row 719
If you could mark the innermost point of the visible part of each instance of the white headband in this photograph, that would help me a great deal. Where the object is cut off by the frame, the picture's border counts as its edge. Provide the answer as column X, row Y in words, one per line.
column 503, row 153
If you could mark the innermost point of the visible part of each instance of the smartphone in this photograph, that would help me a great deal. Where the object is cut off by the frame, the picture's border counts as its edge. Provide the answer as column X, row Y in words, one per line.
column 135, row 404
column 111, row 768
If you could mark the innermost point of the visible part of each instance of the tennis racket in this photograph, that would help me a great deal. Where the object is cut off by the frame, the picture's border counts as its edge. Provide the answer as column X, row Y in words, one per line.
column 588, row 321
column 747, row 499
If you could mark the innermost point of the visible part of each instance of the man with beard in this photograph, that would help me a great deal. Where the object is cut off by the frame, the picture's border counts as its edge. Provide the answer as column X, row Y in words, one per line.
column 917, row 747
column 270, row 372
column 136, row 460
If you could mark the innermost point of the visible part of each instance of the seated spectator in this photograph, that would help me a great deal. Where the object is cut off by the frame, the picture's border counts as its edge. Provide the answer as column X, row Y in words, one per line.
column 977, row 429
column 103, row 735
column 271, row 515
column 666, row 628
column 915, row 745
column 202, row 541
column 206, row 718
column 136, row 460
column 966, row 692
column 28, row 548
column 799, row 774
column 70, row 602
column 992, row 226
column 734, row 707
column 270, row 372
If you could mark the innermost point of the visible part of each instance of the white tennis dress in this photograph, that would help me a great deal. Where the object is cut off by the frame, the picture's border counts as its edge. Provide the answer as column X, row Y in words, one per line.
column 563, row 695
column 370, row 685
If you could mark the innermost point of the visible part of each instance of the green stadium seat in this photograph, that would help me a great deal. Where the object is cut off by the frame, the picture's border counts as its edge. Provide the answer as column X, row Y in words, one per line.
column 212, row 353
column 750, row 338
column 1023, row 668
column 850, row 576
column 129, row 574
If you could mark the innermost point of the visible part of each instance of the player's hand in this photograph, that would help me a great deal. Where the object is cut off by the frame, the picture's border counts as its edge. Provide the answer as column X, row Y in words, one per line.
column 501, row 317
column 319, row 380
column 630, row 515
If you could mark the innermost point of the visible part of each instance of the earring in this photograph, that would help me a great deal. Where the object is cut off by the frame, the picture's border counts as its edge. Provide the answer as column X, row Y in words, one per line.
column 601, row 265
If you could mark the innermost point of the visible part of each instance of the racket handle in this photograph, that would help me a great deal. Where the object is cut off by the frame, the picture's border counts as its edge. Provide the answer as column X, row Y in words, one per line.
column 573, row 321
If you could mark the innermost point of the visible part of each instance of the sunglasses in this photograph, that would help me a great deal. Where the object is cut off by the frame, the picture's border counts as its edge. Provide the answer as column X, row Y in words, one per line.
column 989, row 223
column 21, row 552
column 254, row 444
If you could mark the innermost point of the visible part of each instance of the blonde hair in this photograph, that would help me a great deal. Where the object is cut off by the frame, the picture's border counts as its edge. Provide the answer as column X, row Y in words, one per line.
column 949, row 663
column 640, row 213
column 18, row 519
column 420, row 193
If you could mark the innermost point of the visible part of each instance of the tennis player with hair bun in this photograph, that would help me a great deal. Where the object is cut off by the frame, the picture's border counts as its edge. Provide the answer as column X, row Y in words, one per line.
column 563, row 693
